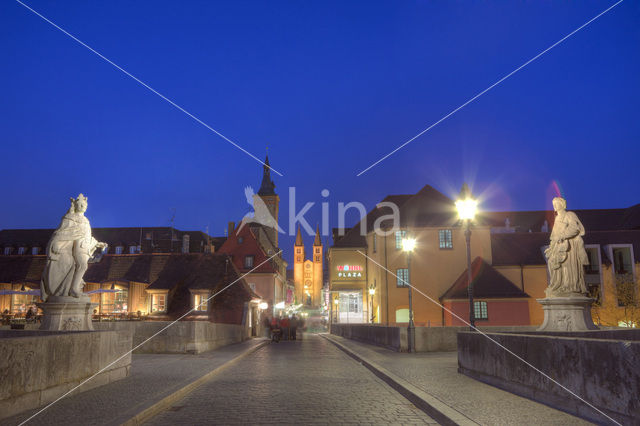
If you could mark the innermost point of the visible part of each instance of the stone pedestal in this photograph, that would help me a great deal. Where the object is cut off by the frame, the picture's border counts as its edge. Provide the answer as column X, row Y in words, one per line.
column 66, row 313
column 567, row 314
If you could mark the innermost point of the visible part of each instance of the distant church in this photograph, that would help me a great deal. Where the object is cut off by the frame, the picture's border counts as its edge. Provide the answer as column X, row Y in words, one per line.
column 307, row 273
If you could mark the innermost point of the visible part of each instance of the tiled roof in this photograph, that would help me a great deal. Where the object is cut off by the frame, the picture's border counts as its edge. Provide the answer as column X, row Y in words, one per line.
column 151, row 239
column 14, row 269
column 525, row 248
column 487, row 284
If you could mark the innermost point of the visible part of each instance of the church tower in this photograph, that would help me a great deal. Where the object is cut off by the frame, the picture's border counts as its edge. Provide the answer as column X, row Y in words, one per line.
column 317, row 260
column 266, row 208
column 298, row 267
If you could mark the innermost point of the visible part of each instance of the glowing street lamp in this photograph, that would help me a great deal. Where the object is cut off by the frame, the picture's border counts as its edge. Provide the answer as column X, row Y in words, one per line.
column 408, row 245
column 372, row 292
column 467, row 208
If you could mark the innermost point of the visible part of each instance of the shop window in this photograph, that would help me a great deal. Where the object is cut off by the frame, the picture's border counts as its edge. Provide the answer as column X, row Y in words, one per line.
column 248, row 261
column 200, row 302
column 445, row 240
column 403, row 277
column 480, row 310
column 400, row 235
column 402, row 315
column 22, row 303
column 158, row 303
column 121, row 301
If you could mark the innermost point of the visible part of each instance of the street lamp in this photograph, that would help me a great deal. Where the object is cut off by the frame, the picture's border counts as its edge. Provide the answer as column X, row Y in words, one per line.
column 335, row 302
column 467, row 207
column 372, row 292
column 408, row 244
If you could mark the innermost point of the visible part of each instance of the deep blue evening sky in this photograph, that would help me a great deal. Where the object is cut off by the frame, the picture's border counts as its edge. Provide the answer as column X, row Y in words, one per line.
column 330, row 87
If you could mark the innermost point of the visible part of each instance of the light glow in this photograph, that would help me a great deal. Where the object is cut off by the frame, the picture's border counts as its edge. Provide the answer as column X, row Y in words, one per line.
column 467, row 208
column 263, row 305
column 372, row 291
column 279, row 305
column 408, row 244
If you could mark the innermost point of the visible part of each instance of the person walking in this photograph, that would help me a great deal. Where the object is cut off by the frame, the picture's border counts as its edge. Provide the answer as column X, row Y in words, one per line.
column 293, row 324
column 284, row 325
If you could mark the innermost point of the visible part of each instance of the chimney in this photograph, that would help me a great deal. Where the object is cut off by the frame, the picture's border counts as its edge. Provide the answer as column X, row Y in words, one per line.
column 231, row 227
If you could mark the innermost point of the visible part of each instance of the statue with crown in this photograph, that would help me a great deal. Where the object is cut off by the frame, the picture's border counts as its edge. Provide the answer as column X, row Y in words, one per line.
column 69, row 251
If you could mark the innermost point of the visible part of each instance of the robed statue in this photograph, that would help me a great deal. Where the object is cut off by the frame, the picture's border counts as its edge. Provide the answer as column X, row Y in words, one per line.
column 68, row 253
column 566, row 255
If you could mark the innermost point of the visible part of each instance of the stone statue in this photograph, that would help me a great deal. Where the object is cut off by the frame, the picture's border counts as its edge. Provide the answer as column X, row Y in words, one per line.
column 566, row 255
column 68, row 253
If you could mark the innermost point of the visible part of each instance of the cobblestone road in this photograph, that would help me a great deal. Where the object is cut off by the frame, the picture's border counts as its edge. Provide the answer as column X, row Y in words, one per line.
column 299, row 382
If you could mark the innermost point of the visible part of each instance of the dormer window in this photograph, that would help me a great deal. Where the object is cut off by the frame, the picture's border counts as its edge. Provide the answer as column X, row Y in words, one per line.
column 22, row 250
column 35, row 250
column 8, row 250
column 248, row 261
column 240, row 240
column 133, row 249
column 119, row 249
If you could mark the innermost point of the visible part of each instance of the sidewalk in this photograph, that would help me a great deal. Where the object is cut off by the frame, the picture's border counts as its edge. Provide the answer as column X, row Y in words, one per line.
column 431, row 380
column 153, row 378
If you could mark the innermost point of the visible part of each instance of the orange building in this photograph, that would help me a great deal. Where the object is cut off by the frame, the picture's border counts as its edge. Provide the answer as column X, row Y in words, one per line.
column 368, row 269
column 308, row 273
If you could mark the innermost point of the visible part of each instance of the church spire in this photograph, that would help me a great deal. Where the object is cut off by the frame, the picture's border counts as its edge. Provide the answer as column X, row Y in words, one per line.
column 299, row 241
column 267, row 187
column 317, row 241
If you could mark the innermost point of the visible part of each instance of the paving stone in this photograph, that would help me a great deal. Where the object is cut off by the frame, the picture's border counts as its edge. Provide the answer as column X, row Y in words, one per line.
column 300, row 382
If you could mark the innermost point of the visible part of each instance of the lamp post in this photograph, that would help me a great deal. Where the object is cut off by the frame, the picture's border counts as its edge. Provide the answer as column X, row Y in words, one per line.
column 372, row 292
column 408, row 244
column 335, row 302
column 467, row 207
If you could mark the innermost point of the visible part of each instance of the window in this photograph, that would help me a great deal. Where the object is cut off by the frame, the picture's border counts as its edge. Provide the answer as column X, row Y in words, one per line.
column 317, row 250
column 298, row 251
column 119, row 250
column 592, row 273
column 240, row 240
column 400, row 235
column 158, row 303
column 22, row 250
column 35, row 250
column 308, row 299
column 200, row 302
column 248, row 261
column 622, row 260
column 120, row 303
column 402, row 315
column 133, row 249
column 298, row 259
column 317, row 258
column 480, row 310
column 375, row 242
column 444, row 236
column 403, row 277
column 8, row 250
column 252, row 286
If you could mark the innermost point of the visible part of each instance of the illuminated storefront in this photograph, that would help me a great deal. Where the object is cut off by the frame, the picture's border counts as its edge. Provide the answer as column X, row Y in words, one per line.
column 348, row 279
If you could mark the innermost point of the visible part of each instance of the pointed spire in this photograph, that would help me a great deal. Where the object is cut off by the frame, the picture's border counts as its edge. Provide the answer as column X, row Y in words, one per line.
column 299, row 241
column 267, row 187
column 317, row 241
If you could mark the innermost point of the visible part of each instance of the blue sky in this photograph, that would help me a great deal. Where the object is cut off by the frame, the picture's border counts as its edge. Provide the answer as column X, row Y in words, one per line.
column 329, row 87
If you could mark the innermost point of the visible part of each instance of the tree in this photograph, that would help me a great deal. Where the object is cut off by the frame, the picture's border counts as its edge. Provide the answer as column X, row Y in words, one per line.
column 624, row 311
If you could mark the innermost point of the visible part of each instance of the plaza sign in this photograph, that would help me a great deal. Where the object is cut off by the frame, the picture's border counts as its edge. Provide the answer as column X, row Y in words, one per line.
column 348, row 266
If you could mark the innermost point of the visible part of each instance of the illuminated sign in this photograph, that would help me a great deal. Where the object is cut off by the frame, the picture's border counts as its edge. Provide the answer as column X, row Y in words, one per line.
column 348, row 266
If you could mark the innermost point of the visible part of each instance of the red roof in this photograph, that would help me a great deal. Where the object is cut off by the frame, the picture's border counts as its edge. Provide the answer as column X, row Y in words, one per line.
column 243, row 242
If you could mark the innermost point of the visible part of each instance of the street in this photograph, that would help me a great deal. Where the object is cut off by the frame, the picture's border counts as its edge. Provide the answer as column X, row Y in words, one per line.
column 297, row 382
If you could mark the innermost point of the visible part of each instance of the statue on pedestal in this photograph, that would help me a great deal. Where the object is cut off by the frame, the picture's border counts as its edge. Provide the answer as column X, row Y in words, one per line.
column 65, row 306
column 68, row 253
column 566, row 307
column 566, row 256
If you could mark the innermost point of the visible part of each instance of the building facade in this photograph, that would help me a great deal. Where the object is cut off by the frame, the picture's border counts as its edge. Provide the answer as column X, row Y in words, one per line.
column 308, row 273
column 368, row 270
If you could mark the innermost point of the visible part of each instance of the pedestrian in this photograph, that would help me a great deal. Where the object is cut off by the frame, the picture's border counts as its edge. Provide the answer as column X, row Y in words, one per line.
column 293, row 324
column 284, row 325
column 29, row 316
column 275, row 330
